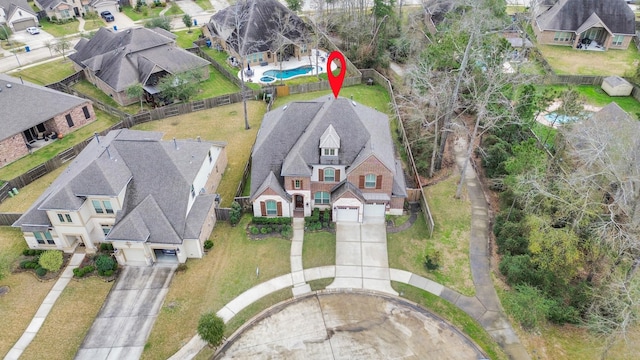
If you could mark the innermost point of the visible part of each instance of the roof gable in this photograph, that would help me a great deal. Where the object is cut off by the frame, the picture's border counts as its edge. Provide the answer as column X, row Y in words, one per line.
column 330, row 139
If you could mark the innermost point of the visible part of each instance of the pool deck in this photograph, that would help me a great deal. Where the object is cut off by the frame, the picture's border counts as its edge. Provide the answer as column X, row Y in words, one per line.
column 292, row 63
column 553, row 107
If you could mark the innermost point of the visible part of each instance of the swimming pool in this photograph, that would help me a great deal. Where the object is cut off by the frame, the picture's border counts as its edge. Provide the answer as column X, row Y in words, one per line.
column 555, row 118
column 290, row 73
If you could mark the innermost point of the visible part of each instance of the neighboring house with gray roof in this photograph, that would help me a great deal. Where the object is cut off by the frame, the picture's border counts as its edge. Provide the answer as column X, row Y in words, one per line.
column 113, row 61
column 17, row 14
column 326, row 153
column 65, row 9
column 577, row 23
column 29, row 113
column 152, row 199
column 260, row 22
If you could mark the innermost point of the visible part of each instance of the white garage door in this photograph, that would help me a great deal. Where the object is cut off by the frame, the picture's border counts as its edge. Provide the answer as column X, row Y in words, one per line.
column 347, row 214
column 134, row 255
column 23, row 24
column 374, row 210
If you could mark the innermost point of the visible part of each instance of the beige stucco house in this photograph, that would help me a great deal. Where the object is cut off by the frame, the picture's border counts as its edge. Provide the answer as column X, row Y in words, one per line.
column 152, row 199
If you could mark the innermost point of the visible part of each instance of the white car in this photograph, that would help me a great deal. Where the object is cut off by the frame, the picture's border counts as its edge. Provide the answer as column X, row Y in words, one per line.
column 33, row 30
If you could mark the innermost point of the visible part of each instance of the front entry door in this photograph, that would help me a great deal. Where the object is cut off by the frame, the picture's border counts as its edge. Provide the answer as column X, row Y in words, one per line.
column 76, row 11
column 299, row 201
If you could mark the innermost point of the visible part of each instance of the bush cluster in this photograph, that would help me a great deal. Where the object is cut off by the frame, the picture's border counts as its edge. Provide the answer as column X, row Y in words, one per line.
column 271, row 221
column 236, row 213
column 80, row 272
column 106, row 265
column 106, row 247
column 31, row 252
column 284, row 230
column 318, row 220
column 29, row 264
column 208, row 244
column 51, row 260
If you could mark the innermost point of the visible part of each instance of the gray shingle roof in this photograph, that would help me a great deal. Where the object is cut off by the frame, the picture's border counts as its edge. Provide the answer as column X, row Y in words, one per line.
column 11, row 6
column 198, row 215
column 157, row 177
column 23, row 106
column 49, row 4
column 261, row 19
column 124, row 58
column 570, row 15
column 287, row 143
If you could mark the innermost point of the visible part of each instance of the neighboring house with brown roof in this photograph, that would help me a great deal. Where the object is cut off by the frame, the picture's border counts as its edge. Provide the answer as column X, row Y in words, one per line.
column 113, row 61
column 152, row 199
column 578, row 23
column 260, row 22
column 17, row 14
column 330, row 154
column 30, row 112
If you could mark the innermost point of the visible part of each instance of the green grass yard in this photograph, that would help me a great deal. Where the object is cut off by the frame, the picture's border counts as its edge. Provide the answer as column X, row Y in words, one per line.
column 594, row 95
column 319, row 249
column 216, row 85
column 209, row 283
column 568, row 61
column 407, row 249
column 47, row 73
column 374, row 96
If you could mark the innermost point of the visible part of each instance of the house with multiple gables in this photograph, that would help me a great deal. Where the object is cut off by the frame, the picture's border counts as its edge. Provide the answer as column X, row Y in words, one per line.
column 30, row 113
column 326, row 153
column 152, row 199
column 69, row 9
column 258, row 21
column 115, row 60
column 608, row 24
column 17, row 15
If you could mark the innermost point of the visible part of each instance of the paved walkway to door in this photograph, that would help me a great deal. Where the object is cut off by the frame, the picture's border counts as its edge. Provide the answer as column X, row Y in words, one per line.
column 124, row 322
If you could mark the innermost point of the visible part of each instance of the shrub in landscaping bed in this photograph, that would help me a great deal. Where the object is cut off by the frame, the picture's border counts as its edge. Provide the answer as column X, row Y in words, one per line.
column 41, row 271
column 318, row 220
column 271, row 221
column 208, row 244
column 236, row 213
column 105, row 265
column 106, row 247
column 80, row 272
column 51, row 260
column 31, row 252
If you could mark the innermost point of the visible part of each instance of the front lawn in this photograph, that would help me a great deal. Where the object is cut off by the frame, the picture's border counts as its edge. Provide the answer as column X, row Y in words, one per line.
column 47, row 73
column 185, row 38
column 224, row 123
column 318, row 249
column 69, row 320
column 211, row 282
column 26, row 292
column 205, row 4
column 407, row 249
column 59, row 30
column 145, row 12
column 103, row 121
column 568, row 61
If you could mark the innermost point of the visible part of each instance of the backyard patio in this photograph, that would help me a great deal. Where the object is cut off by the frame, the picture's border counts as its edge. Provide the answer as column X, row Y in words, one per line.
column 292, row 67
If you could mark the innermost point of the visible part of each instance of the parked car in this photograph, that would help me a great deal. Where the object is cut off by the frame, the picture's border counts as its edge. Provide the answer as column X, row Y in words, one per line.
column 107, row 16
column 33, row 30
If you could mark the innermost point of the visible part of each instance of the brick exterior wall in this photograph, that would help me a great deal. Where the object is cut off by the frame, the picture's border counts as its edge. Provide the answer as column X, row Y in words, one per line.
column 60, row 125
column 546, row 37
column 12, row 149
column 288, row 183
column 373, row 166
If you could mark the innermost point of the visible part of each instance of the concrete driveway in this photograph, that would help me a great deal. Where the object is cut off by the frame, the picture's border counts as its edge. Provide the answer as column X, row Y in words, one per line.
column 33, row 41
column 124, row 322
column 121, row 21
column 361, row 257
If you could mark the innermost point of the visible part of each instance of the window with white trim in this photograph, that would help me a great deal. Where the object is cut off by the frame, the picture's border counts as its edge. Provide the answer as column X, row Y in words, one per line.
column 562, row 36
column 64, row 218
column 297, row 184
column 370, row 181
column 330, row 152
column 329, row 175
column 321, row 198
column 272, row 208
column 102, row 206
column 44, row 236
column 617, row 40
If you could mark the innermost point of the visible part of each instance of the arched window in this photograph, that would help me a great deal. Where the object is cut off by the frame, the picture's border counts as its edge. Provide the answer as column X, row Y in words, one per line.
column 321, row 198
column 329, row 175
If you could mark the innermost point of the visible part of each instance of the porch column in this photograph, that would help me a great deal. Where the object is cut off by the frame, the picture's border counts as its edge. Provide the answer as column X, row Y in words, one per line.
column 576, row 40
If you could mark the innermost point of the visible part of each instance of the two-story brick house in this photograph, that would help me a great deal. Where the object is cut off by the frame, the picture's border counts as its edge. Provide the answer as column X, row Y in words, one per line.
column 329, row 154
column 151, row 199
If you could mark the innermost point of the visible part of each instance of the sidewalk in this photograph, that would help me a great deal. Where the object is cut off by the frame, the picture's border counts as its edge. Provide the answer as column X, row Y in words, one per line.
column 44, row 309
column 299, row 283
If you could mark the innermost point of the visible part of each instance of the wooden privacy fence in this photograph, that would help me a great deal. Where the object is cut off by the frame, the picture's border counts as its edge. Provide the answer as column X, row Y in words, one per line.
column 7, row 219
column 223, row 214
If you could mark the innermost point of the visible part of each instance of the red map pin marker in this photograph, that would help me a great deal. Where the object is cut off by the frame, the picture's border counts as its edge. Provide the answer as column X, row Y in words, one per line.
column 336, row 81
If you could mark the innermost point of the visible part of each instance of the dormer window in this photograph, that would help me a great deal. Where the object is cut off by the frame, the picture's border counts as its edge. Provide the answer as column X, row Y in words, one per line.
column 329, row 143
column 330, row 152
